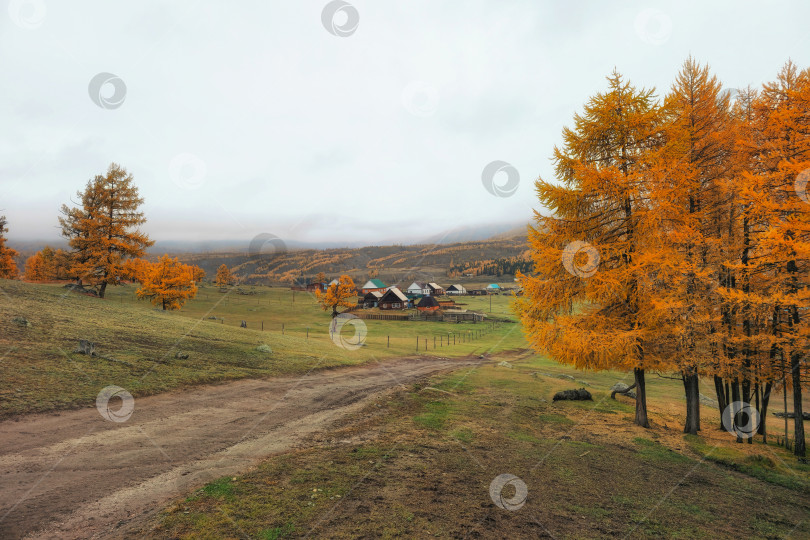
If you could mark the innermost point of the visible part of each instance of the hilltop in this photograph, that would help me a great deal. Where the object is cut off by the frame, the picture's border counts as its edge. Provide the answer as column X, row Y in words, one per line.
column 498, row 256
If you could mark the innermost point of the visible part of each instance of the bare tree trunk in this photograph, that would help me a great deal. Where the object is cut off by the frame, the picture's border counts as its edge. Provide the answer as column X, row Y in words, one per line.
column 798, row 421
column 102, row 289
column 745, row 392
column 735, row 399
column 641, row 399
column 692, row 389
column 763, row 411
column 722, row 397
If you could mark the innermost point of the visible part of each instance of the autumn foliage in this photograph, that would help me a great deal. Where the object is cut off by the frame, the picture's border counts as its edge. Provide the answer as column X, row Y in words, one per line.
column 223, row 277
column 338, row 295
column 8, row 268
column 48, row 264
column 103, row 230
column 679, row 240
column 167, row 282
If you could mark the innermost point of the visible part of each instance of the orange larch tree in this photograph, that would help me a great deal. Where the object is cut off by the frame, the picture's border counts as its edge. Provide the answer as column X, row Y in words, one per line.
column 779, row 214
column 167, row 282
column 590, row 301
column 103, row 232
column 8, row 268
column 223, row 277
column 689, row 190
column 35, row 269
column 198, row 273
column 337, row 295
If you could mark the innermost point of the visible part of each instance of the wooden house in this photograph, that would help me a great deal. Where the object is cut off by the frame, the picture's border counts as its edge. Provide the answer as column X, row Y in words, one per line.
column 456, row 288
column 371, row 299
column 436, row 290
column 493, row 288
column 393, row 298
column 374, row 285
column 316, row 286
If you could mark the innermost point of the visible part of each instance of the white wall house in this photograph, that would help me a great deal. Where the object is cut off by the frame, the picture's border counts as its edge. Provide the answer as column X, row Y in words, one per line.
column 419, row 288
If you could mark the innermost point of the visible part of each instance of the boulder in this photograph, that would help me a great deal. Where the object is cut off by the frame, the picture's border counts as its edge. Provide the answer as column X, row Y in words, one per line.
column 573, row 395
column 264, row 348
column 86, row 347
column 504, row 364
column 181, row 355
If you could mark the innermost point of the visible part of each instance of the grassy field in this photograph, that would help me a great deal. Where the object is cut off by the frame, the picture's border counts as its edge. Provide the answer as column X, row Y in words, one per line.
column 419, row 463
column 137, row 343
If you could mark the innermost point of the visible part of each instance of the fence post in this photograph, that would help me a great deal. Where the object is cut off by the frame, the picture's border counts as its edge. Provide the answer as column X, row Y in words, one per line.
column 389, row 341
column 434, row 342
column 307, row 333
column 262, row 326
column 417, row 343
column 282, row 329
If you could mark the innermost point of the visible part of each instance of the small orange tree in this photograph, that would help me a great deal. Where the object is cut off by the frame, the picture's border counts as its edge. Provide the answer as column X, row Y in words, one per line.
column 48, row 264
column 8, row 268
column 223, row 278
column 167, row 282
column 199, row 274
column 35, row 268
column 337, row 295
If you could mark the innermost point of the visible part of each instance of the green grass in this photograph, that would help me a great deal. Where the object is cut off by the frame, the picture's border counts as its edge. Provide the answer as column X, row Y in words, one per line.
column 655, row 451
column 137, row 343
column 771, row 466
column 427, row 468
column 219, row 489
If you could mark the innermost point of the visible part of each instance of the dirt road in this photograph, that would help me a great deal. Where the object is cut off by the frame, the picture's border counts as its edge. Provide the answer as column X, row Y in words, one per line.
column 75, row 474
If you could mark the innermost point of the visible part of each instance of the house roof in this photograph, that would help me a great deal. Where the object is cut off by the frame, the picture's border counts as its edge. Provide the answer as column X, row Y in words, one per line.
column 373, row 295
column 456, row 287
column 418, row 285
column 396, row 293
column 427, row 301
column 493, row 286
column 434, row 286
column 374, row 284
column 334, row 281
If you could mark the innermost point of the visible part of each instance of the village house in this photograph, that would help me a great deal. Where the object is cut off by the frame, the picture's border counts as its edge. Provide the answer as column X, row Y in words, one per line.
column 418, row 288
column 428, row 303
column 316, row 286
column 456, row 289
column 493, row 288
column 393, row 299
column 436, row 290
column 371, row 299
column 374, row 285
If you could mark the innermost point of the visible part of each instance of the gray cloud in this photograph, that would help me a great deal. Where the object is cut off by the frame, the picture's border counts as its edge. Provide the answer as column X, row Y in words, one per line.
column 305, row 134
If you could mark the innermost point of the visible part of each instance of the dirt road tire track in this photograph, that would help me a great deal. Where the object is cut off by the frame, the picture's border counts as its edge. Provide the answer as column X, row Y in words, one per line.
column 76, row 475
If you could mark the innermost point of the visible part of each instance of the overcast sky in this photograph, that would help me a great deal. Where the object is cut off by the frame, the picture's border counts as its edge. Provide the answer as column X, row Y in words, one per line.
column 240, row 118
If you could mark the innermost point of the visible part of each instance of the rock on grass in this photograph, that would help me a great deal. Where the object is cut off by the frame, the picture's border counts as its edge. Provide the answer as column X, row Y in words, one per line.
column 573, row 395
